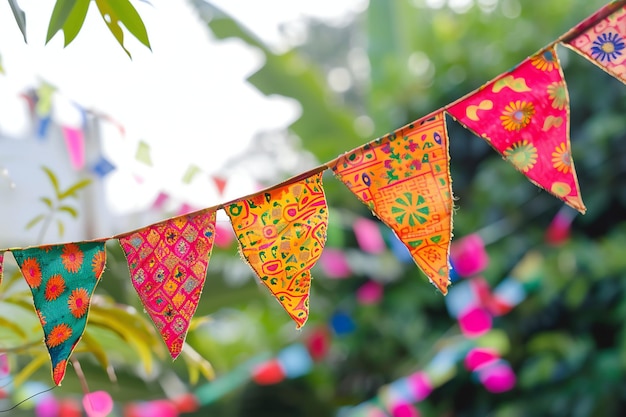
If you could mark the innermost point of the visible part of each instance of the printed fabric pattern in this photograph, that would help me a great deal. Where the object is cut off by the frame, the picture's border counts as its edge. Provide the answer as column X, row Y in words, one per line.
column 404, row 179
column 168, row 263
column 524, row 115
column 281, row 235
column 604, row 44
column 62, row 279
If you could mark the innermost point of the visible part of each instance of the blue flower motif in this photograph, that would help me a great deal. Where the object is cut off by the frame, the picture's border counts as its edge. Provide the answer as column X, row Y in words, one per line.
column 607, row 47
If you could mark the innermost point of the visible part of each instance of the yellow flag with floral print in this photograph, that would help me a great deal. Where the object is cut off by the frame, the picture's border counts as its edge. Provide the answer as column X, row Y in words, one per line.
column 281, row 234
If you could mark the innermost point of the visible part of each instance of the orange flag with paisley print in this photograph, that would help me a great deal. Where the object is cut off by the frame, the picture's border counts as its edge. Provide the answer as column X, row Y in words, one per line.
column 524, row 115
column 404, row 179
column 281, row 234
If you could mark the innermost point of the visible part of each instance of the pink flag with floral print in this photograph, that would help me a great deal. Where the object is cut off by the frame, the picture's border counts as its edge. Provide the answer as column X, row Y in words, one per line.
column 603, row 41
column 168, row 263
column 524, row 115
column 1, row 265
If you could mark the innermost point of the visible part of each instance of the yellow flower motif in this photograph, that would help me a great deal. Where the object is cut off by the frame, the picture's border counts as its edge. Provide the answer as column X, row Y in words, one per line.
column 522, row 154
column 561, row 159
column 517, row 115
column 558, row 95
column 545, row 61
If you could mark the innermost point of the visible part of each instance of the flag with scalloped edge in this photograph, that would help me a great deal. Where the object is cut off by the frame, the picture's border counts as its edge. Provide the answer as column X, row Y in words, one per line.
column 524, row 115
column 603, row 41
column 404, row 178
column 168, row 262
column 281, row 234
column 62, row 279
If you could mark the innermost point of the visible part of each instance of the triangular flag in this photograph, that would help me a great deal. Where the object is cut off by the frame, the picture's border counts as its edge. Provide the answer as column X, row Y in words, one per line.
column 220, row 183
column 1, row 265
column 524, row 115
column 404, row 179
column 191, row 172
column 62, row 279
column 143, row 153
column 603, row 41
column 75, row 142
column 168, row 263
column 281, row 234
column 103, row 167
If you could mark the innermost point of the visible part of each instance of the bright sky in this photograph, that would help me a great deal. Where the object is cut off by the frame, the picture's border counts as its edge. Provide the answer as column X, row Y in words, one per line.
column 188, row 97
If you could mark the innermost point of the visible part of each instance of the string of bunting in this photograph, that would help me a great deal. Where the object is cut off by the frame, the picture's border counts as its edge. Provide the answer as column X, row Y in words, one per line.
column 402, row 177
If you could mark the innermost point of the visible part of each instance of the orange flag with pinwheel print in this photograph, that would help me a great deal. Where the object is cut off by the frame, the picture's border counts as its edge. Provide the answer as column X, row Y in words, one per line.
column 524, row 115
column 62, row 279
column 404, row 179
column 168, row 263
column 281, row 234
column 602, row 40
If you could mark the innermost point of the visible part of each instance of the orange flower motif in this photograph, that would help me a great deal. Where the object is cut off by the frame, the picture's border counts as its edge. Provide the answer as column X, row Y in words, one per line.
column 545, row 61
column 59, row 334
column 517, row 115
column 32, row 272
column 97, row 263
column 59, row 372
column 54, row 287
column 78, row 302
column 72, row 257
column 561, row 159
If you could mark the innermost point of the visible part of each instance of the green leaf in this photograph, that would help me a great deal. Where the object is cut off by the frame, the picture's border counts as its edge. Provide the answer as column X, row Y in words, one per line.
column 75, row 20
column 61, row 228
column 196, row 364
column 70, row 210
column 15, row 327
column 36, row 362
column 54, row 180
column 20, row 17
column 47, row 201
column 60, row 13
column 114, row 12
column 71, row 192
column 129, row 327
column 34, row 221
column 95, row 348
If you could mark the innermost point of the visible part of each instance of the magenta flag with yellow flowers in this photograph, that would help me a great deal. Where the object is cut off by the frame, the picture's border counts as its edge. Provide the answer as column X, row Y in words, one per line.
column 62, row 279
column 603, row 41
column 281, row 234
column 524, row 115
column 168, row 263
column 404, row 179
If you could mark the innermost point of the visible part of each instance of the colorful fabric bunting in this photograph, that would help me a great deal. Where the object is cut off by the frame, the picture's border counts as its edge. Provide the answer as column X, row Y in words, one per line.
column 604, row 42
column 524, row 115
column 62, row 279
column 281, row 234
column 404, row 179
column 168, row 263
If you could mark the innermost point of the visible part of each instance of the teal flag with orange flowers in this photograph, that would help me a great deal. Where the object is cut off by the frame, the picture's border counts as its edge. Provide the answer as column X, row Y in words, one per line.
column 62, row 279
